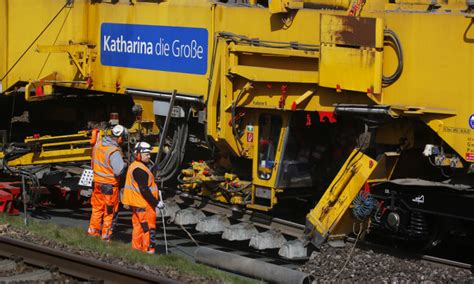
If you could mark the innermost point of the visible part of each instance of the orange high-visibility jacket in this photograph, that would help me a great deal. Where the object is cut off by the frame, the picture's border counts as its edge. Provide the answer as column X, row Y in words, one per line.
column 131, row 191
column 103, row 172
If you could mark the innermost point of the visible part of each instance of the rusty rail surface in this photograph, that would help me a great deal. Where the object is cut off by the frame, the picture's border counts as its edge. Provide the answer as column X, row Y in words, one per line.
column 74, row 265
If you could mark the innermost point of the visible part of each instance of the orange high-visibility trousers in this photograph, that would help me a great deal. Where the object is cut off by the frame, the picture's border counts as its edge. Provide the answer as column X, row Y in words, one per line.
column 144, row 228
column 104, row 203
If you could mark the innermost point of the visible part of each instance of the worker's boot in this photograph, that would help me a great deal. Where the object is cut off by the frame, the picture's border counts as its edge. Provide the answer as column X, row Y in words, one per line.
column 93, row 232
column 151, row 250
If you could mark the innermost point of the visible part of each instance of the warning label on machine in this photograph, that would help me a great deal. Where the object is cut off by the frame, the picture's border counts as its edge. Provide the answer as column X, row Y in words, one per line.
column 164, row 48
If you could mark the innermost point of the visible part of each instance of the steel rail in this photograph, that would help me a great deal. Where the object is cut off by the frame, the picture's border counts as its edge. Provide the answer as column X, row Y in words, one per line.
column 425, row 257
column 446, row 261
column 258, row 219
column 74, row 265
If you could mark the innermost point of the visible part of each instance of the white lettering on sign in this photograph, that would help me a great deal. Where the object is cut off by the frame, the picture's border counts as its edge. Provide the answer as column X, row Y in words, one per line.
column 165, row 48
column 127, row 46
column 162, row 48
column 192, row 50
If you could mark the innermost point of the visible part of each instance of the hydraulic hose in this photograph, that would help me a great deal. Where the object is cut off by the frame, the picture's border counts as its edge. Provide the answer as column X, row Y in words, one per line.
column 166, row 166
column 392, row 38
column 170, row 164
column 14, row 151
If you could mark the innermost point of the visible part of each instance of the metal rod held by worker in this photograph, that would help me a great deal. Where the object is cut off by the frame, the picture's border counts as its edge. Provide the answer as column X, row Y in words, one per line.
column 163, row 220
column 164, row 229
column 163, row 133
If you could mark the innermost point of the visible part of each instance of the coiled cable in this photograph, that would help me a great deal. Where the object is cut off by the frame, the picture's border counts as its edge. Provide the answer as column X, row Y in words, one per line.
column 363, row 205
column 391, row 37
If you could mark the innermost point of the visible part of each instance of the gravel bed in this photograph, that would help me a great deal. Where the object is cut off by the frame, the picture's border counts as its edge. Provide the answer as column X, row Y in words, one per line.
column 8, row 231
column 365, row 265
column 20, row 269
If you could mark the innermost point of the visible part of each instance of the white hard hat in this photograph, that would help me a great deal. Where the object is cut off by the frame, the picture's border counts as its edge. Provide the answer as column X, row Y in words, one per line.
column 119, row 130
column 143, row 147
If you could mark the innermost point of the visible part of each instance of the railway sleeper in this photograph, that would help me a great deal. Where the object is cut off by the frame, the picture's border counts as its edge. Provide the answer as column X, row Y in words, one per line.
column 7, row 265
column 220, row 224
column 37, row 275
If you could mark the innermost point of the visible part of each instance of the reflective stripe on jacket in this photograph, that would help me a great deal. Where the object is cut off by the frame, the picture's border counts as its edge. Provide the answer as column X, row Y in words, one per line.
column 103, row 172
column 131, row 191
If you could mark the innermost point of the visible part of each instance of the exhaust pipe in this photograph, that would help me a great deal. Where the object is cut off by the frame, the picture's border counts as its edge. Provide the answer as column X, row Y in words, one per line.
column 250, row 267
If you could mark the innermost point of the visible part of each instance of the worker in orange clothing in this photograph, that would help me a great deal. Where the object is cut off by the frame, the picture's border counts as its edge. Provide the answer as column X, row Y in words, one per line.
column 141, row 194
column 108, row 166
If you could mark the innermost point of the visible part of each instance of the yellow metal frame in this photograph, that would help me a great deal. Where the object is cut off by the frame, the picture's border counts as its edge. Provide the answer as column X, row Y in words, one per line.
column 284, row 6
column 270, row 183
column 52, row 157
column 79, row 54
column 340, row 194
column 73, row 148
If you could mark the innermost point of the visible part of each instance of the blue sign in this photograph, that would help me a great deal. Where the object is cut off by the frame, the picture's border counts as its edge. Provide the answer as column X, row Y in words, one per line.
column 471, row 121
column 164, row 48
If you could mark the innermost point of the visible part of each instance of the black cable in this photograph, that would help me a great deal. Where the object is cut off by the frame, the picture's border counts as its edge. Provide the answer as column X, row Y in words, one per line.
column 28, row 174
column 391, row 37
column 29, row 47
column 173, row 165
column 170, row 165
column 167, row 168
column 162, row 164
column 181, row 150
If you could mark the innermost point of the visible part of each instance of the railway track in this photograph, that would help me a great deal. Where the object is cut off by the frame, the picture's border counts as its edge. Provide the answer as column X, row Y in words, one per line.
column 281, row 240
column 178, row 239
column 424, row 257
column 78, row 267
column 447, row 262
column 14, row 270
column 297, row 230
column 179, row 242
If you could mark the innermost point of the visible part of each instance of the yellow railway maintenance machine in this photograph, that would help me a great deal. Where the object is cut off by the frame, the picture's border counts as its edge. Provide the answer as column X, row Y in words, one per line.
column 348, row 110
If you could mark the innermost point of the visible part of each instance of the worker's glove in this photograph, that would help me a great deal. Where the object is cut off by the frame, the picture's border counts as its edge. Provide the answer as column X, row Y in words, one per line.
column 160, row 205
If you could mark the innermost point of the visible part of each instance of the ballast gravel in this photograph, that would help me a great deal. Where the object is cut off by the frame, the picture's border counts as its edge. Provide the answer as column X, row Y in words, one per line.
column 366, row 265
